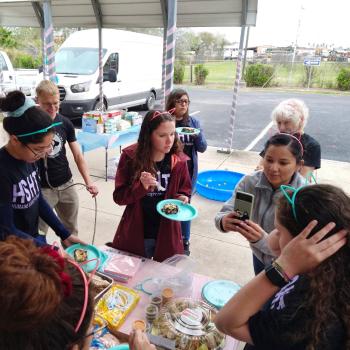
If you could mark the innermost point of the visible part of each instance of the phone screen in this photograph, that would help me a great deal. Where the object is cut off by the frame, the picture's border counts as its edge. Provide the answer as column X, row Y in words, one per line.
column 244, row 204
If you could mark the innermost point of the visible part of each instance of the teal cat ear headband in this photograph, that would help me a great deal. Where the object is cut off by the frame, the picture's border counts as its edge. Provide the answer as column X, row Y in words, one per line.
column 291, row 197
column 41, row 131
column 29, row 103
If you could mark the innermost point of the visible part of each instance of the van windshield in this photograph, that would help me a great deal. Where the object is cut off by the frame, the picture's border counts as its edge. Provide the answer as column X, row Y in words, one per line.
column 77, row 60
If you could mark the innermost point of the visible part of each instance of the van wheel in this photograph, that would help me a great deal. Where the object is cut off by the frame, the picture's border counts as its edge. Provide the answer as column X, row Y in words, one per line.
column 150, row 102
column 97, row 103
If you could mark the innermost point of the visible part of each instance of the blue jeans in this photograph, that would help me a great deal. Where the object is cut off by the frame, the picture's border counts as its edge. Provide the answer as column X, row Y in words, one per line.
column 186, row 230
column 150, row 246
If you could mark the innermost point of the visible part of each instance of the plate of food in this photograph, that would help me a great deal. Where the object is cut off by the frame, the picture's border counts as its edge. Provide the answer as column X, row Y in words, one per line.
column 82, row 253
column 186, row 130
column 176, row 210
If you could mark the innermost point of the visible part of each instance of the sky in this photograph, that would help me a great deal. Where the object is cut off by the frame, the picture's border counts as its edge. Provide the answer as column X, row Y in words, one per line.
column 282, row 22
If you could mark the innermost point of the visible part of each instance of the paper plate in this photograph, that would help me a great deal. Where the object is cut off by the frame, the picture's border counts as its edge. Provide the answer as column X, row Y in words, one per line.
column 92, row 253
column 186, row 212
column 219, row 292
column 195, row 131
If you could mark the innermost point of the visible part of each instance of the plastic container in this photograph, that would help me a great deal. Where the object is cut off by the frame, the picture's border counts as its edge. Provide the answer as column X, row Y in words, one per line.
column 217, row 184
column 190, row 323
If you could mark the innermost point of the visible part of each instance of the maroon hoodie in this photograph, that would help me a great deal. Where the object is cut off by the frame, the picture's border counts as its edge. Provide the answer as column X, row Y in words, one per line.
column 130, row 232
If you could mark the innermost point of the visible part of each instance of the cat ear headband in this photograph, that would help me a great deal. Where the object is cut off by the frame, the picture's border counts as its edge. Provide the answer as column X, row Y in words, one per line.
column 291, row 192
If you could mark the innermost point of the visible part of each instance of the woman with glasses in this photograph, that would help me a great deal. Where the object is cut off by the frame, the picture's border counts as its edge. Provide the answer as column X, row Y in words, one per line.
column 149, row 171
column 21, row 203
column 45, row 301
column 193, row 144
column 308, row 284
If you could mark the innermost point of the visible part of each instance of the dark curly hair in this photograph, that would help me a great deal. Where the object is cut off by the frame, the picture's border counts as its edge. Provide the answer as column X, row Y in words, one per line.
column 143, row 157
column 328, row 299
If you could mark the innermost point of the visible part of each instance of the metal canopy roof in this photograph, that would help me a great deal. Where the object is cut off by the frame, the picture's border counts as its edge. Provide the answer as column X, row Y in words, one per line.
column 129, row 13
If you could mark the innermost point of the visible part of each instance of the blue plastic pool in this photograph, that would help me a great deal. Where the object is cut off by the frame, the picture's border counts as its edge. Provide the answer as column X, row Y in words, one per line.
column 217, row 184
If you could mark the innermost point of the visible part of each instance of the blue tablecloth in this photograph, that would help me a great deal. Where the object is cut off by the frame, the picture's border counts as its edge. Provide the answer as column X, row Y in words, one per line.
column 89, row 141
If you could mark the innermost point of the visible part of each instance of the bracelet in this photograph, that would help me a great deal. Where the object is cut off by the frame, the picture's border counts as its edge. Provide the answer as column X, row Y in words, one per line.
column 279, row 268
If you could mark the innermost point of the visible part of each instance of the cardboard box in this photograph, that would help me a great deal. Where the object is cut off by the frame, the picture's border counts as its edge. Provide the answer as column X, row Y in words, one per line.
column 89, row 125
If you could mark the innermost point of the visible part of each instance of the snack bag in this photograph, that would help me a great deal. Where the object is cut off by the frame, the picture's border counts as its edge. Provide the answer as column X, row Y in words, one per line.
column 116, row 304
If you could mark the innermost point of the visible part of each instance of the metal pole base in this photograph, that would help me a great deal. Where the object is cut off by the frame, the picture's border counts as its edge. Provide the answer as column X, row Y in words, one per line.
column 224, row 150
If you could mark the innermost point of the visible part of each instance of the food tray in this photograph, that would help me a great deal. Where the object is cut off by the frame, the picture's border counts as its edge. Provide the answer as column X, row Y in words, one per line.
column 106, row 278
column 190, row 323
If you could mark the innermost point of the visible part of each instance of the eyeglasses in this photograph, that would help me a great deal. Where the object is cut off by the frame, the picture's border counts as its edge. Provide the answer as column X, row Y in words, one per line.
column 39, row 154
column 183, row 102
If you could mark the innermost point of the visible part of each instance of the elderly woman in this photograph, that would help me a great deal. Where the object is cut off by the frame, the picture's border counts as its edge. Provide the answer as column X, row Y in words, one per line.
column 290, row 117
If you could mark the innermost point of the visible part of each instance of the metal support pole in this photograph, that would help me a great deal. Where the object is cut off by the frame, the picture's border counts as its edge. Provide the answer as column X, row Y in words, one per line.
column 170, row 46
column 43, row 52
column 162, row 92
column 245, row 51
column 229, row 140
column 165, row 25
column 308, row 83
column 98, row 15
column 100, row 69
column 49, row 62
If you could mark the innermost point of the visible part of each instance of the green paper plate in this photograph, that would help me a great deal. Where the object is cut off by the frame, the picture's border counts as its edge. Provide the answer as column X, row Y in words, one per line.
column 186, row 212
column 217, row 293
column 92, row 253
column 195, row 131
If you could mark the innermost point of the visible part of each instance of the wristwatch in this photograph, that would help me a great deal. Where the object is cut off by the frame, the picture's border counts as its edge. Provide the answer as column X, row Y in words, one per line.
column 275, row 276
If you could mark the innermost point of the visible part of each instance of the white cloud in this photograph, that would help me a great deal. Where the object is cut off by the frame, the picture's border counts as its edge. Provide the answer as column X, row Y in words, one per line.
column 277, row 23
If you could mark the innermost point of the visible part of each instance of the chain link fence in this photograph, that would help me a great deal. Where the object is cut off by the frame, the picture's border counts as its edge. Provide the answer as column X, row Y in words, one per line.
column 286, row 72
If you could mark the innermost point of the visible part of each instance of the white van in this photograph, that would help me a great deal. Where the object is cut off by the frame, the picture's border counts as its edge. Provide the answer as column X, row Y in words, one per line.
column 19, row 79
column 132, row 70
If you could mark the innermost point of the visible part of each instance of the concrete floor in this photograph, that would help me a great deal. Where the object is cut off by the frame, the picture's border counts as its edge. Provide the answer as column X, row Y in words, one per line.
column 219, row 255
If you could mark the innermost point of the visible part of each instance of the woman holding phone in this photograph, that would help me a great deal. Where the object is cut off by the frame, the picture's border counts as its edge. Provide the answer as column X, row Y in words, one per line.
column 282, row 160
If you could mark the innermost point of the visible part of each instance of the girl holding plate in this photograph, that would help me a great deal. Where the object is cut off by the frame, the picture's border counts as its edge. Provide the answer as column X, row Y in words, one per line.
column 192, row 137
column 152, row 170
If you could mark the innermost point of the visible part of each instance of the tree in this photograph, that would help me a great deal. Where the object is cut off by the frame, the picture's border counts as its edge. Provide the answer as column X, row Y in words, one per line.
column 202, row 44
column 7, row 39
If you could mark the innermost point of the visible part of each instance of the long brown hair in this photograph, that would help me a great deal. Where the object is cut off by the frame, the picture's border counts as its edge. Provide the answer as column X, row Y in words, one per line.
column 143, row 157
column 175, row 95
column 34, row 312
column 328, row 299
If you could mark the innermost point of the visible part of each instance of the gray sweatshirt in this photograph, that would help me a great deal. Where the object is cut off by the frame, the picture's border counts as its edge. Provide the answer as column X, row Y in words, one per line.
column 263, row 213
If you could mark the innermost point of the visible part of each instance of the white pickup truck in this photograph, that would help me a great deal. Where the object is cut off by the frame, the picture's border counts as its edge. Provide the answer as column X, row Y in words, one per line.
column 19, row 79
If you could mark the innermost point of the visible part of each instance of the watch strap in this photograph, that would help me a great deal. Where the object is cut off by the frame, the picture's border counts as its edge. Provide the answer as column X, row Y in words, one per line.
column 275, row 276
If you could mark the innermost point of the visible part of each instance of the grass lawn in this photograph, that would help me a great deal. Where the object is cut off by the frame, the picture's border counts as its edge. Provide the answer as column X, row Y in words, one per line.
column 222, row 74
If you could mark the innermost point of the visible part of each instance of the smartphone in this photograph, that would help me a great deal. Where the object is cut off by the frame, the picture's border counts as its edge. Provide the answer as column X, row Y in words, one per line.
column 244, row 205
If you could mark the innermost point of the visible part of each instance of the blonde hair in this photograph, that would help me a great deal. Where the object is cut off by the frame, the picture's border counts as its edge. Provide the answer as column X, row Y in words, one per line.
column 47, row 87
column 292, row 109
